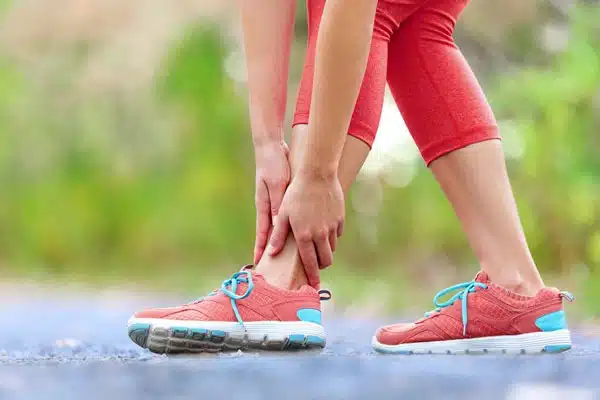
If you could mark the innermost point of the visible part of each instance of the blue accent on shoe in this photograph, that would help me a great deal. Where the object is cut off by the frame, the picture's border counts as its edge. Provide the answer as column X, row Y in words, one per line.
column 315, row 340
column 218, row 333
column 557, row 348
column 393, row 351
column 200, row 331
column 138, row 333
column 552, row 322
column 138, row 326
column 465, row 288
column 296, row 338
column 309, row 315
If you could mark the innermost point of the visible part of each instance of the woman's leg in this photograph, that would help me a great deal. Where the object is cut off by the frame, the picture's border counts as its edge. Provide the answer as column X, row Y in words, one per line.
column 475, row 181
column 286, row 270
column 506, row 308
column 452, row 123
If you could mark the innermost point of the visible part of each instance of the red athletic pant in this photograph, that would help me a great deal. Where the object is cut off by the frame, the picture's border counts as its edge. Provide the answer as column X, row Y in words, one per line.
column 412, row 49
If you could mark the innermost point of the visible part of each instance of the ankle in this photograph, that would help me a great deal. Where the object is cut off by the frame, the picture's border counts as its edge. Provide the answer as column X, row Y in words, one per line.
column 284, row 283
column 521, row 288
column 281, row 273
column 517, row 284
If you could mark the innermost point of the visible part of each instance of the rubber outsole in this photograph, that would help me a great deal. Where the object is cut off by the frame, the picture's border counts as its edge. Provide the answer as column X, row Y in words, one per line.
column 546, row 349
column 178, row 340
column 530, row 343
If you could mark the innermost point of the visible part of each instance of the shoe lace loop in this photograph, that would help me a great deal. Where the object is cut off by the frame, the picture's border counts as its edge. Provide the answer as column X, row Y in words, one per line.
column 567, row 295
column 324, row 295
column 464, row 289
column 229, row 288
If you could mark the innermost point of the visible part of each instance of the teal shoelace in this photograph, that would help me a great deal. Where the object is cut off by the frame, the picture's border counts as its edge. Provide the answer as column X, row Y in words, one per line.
column 464, row 289
column 229, row 288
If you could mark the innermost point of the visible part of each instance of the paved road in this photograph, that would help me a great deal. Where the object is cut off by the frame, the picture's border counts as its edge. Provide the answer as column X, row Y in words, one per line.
column 70, row 346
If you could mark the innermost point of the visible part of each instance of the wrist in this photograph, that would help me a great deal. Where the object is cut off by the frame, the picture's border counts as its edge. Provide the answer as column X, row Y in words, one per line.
column 318, row 172
column 315, row 165
column 266, row 140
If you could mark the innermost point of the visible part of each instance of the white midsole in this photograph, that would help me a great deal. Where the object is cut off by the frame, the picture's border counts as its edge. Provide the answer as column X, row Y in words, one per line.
column 255, row 330
column 530, row 342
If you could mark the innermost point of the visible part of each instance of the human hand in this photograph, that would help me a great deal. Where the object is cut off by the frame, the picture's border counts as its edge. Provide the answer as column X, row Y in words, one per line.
column 272, row 178
column 313, row 208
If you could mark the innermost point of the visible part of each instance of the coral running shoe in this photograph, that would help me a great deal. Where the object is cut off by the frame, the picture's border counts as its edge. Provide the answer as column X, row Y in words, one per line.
column 245, row 313
column 483, row 318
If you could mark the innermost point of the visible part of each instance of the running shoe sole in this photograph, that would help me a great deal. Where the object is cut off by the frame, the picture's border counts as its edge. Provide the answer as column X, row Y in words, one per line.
column 163, row 336
column 527, row 343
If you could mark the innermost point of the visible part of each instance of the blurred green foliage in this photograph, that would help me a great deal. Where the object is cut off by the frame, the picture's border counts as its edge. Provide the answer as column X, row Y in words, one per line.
column 159, row 184
column 74, row 200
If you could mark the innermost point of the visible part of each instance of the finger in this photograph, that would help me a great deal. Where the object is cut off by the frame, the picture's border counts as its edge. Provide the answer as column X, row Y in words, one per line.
column 280, row 234
column 308, row 255
column 340, row 228
column 262, row 234
column 258, row 253
column 263, row 221
column 333, row 239
column 276, row 193
column 259, row 246
column 313, row 275
column 324, row 252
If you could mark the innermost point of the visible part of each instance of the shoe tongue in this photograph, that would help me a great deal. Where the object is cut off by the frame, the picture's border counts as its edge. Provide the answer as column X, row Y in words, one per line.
column 482, row 277
column 256, row 276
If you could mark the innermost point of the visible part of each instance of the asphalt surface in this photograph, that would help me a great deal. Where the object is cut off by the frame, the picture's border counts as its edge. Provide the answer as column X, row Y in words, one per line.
column 67, row 344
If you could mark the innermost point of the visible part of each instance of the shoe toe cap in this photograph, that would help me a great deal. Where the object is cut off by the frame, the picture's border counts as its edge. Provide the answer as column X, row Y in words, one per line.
column 393, row 334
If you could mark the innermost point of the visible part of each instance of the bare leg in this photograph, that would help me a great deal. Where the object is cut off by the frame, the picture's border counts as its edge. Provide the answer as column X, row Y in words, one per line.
column 286, row 270
column 475, row 181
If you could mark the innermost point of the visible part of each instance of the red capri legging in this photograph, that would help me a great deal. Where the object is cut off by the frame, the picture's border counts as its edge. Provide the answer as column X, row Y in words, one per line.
column 412, row 49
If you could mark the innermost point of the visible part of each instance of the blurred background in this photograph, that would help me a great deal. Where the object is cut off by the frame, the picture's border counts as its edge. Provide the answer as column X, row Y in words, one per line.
column 126, row 159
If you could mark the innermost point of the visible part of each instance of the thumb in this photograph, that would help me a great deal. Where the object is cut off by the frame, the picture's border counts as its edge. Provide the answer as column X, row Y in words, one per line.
column 280, row 234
